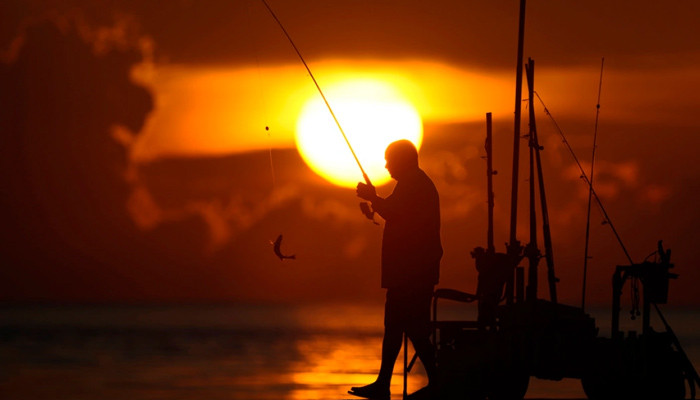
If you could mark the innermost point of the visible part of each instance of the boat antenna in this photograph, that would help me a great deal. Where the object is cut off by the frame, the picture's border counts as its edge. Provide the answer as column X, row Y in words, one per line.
column 590, row 188
column 364, row 174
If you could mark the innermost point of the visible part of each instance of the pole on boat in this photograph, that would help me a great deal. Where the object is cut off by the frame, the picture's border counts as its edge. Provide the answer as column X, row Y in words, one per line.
column 513, row 243
column 546, row 232
column 590, row 190
column 489, row 183
column 531, row 251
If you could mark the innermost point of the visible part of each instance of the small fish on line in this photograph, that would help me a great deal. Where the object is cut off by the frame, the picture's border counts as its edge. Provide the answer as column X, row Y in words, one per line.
column 278, row 252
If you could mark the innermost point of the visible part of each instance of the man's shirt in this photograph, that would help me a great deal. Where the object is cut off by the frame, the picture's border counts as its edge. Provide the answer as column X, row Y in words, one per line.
column 411, row 248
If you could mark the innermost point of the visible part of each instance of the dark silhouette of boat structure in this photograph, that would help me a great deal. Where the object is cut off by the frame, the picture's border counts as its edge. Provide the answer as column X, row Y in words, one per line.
column 517, row 335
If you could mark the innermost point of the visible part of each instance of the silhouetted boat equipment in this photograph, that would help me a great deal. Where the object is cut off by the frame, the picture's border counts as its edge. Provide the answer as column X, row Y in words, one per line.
column 495, row 356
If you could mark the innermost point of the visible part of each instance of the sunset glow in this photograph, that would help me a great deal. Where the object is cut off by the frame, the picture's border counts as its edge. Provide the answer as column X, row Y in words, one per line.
column 183, row 145
column 216, row 110
column 372, row 115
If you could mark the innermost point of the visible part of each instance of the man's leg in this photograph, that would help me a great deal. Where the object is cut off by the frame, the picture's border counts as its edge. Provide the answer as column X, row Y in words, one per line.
column 391, row 345
column 419, row 333
column 394, row 322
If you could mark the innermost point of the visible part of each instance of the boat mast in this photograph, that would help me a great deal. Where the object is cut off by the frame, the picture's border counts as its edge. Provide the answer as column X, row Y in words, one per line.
column 590, row 189
column 546, row 232
column 513, row 244
column 531, row 251
column 491, row 249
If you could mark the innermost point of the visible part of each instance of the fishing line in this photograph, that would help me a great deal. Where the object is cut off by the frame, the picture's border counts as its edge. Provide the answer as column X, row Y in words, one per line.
column 586, row 179
column 276, row 244
column 364, row 175
column 263, row 97
column 590, row 188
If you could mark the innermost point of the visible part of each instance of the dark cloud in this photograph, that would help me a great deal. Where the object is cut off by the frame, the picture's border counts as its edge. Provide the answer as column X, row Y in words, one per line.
column 66, row 233
column 476, row 33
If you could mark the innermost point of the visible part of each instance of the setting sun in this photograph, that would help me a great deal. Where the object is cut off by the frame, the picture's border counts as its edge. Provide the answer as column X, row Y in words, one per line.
column 372, row 114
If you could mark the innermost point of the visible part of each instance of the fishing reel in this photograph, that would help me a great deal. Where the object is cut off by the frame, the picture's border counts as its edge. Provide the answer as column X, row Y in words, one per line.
column 368, row 212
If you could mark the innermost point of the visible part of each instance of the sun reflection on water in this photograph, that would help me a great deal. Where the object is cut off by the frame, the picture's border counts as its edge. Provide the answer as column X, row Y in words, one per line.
column 231, row 352
column 330, row 367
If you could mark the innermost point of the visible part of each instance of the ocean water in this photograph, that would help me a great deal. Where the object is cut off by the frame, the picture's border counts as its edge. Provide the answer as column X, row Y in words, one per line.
column 220, row 352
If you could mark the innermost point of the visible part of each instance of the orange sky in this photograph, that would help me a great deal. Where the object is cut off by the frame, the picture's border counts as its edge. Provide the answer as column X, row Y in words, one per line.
column 223, row 110
column 137, row 125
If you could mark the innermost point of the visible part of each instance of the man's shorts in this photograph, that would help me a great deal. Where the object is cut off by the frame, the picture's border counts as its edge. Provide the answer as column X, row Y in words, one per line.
column 408, row 309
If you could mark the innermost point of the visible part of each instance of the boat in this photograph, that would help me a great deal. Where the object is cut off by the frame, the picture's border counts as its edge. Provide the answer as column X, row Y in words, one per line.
column 517, row 335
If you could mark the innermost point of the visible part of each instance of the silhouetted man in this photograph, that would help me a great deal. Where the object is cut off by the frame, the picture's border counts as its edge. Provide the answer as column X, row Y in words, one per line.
column 411, row 253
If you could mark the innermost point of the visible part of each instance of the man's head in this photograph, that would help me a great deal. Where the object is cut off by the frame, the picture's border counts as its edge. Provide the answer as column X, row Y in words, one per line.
column 401, row 157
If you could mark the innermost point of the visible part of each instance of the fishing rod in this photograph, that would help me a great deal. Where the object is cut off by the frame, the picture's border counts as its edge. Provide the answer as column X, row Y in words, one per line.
column 590, row 188
column 691, row 374
column 340, row 128
column 587, row 180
